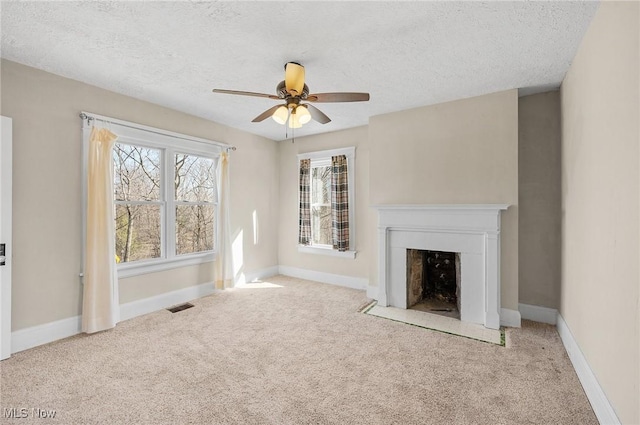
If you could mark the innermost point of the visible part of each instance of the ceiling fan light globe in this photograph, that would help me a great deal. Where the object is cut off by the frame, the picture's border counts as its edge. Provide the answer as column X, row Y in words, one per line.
column 303, row 114
column 293, row 121
column 280, row 115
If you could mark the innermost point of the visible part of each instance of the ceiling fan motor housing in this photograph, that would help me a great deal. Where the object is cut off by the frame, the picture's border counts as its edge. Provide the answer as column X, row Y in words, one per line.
column 281, row 91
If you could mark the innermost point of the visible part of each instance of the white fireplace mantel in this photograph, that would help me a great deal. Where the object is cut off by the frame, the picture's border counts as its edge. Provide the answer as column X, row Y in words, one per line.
column 472, row 230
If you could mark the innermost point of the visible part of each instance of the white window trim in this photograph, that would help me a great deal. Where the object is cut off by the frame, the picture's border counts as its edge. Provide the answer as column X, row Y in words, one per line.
column 170, row 143
column 160, row 264
column 350, row 153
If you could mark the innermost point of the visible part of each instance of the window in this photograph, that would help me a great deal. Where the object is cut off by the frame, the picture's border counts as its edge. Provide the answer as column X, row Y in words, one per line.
column 195, row 203
column 326, row 224
column 165, row 199
column 321, row 203
column 138, row 204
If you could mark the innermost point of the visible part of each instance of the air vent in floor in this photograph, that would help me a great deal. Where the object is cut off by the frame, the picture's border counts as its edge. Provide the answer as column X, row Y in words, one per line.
column 180, row 307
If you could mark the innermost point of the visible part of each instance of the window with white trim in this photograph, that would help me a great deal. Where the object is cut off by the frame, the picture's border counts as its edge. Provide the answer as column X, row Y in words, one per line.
column 165, row 199
column 141, row 213
column 329, row 205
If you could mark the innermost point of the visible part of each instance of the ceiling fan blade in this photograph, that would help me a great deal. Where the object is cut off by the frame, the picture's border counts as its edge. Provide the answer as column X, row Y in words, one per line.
column 317, row 114
column 294, row 78
column 266, row 114
column 338, row 97
column 246, row 93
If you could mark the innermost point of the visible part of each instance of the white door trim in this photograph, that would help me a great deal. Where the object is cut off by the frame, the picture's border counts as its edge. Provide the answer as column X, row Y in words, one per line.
column 6, row 160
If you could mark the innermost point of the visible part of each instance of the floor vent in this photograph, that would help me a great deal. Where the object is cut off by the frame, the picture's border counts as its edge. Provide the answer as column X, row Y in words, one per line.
column 180, row 307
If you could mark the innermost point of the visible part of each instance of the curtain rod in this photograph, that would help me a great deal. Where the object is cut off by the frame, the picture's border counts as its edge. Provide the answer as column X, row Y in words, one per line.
column 89, row 117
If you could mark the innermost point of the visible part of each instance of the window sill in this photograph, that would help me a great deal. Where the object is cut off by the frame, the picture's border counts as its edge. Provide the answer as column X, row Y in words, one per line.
column 154, row 266
column 326, row 251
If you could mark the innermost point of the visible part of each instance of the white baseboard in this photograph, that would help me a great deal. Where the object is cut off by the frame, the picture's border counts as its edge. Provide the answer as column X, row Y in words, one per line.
column 538, row 313
column 34, row 336
column 333, row 279
column 24, row 339
column 149, row 305
column 599, row 402
column 258, row 275
column 509, row 318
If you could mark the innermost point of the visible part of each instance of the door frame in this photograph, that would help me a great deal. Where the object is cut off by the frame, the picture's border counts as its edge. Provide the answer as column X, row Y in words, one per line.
column 6, row 160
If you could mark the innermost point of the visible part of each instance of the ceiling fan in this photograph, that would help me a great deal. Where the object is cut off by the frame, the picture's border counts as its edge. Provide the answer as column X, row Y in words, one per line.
column 293, row 91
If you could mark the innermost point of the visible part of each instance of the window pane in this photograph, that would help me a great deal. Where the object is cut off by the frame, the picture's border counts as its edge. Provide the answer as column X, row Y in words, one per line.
column 194, row 228
column 194, row 178
column 321, row 185
column 321, row 225
column 137, row 232
column 136, row 173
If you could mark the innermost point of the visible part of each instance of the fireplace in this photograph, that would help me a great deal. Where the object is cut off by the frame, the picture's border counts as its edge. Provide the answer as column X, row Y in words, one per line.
column 433, row 282
column 470, row 232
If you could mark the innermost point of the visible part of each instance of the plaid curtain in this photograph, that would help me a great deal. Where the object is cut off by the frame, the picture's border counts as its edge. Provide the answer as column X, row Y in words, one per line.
column 304, row 221
column 339, row 203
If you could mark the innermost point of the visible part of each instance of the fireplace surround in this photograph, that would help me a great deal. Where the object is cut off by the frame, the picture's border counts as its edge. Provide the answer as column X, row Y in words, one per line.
column 471, row 230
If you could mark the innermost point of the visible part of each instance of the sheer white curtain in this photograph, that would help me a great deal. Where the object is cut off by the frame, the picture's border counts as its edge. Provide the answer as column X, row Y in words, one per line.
column 100, row 304
column 224, row 261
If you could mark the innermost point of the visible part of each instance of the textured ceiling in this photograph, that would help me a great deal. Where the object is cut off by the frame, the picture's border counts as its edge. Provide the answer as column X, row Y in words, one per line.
column 406, row 54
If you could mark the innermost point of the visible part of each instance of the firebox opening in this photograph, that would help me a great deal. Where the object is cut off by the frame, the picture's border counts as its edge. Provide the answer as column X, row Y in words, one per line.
column 433, row 282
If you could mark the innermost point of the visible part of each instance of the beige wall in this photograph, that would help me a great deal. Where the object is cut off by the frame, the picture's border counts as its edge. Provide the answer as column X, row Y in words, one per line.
column 288, row 241
column 539, row 194
column 600, row 203
column 457, row 152
column 47, row 210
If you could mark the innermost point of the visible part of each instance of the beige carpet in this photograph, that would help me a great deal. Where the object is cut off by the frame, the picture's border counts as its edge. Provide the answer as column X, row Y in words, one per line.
column 295, row 354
